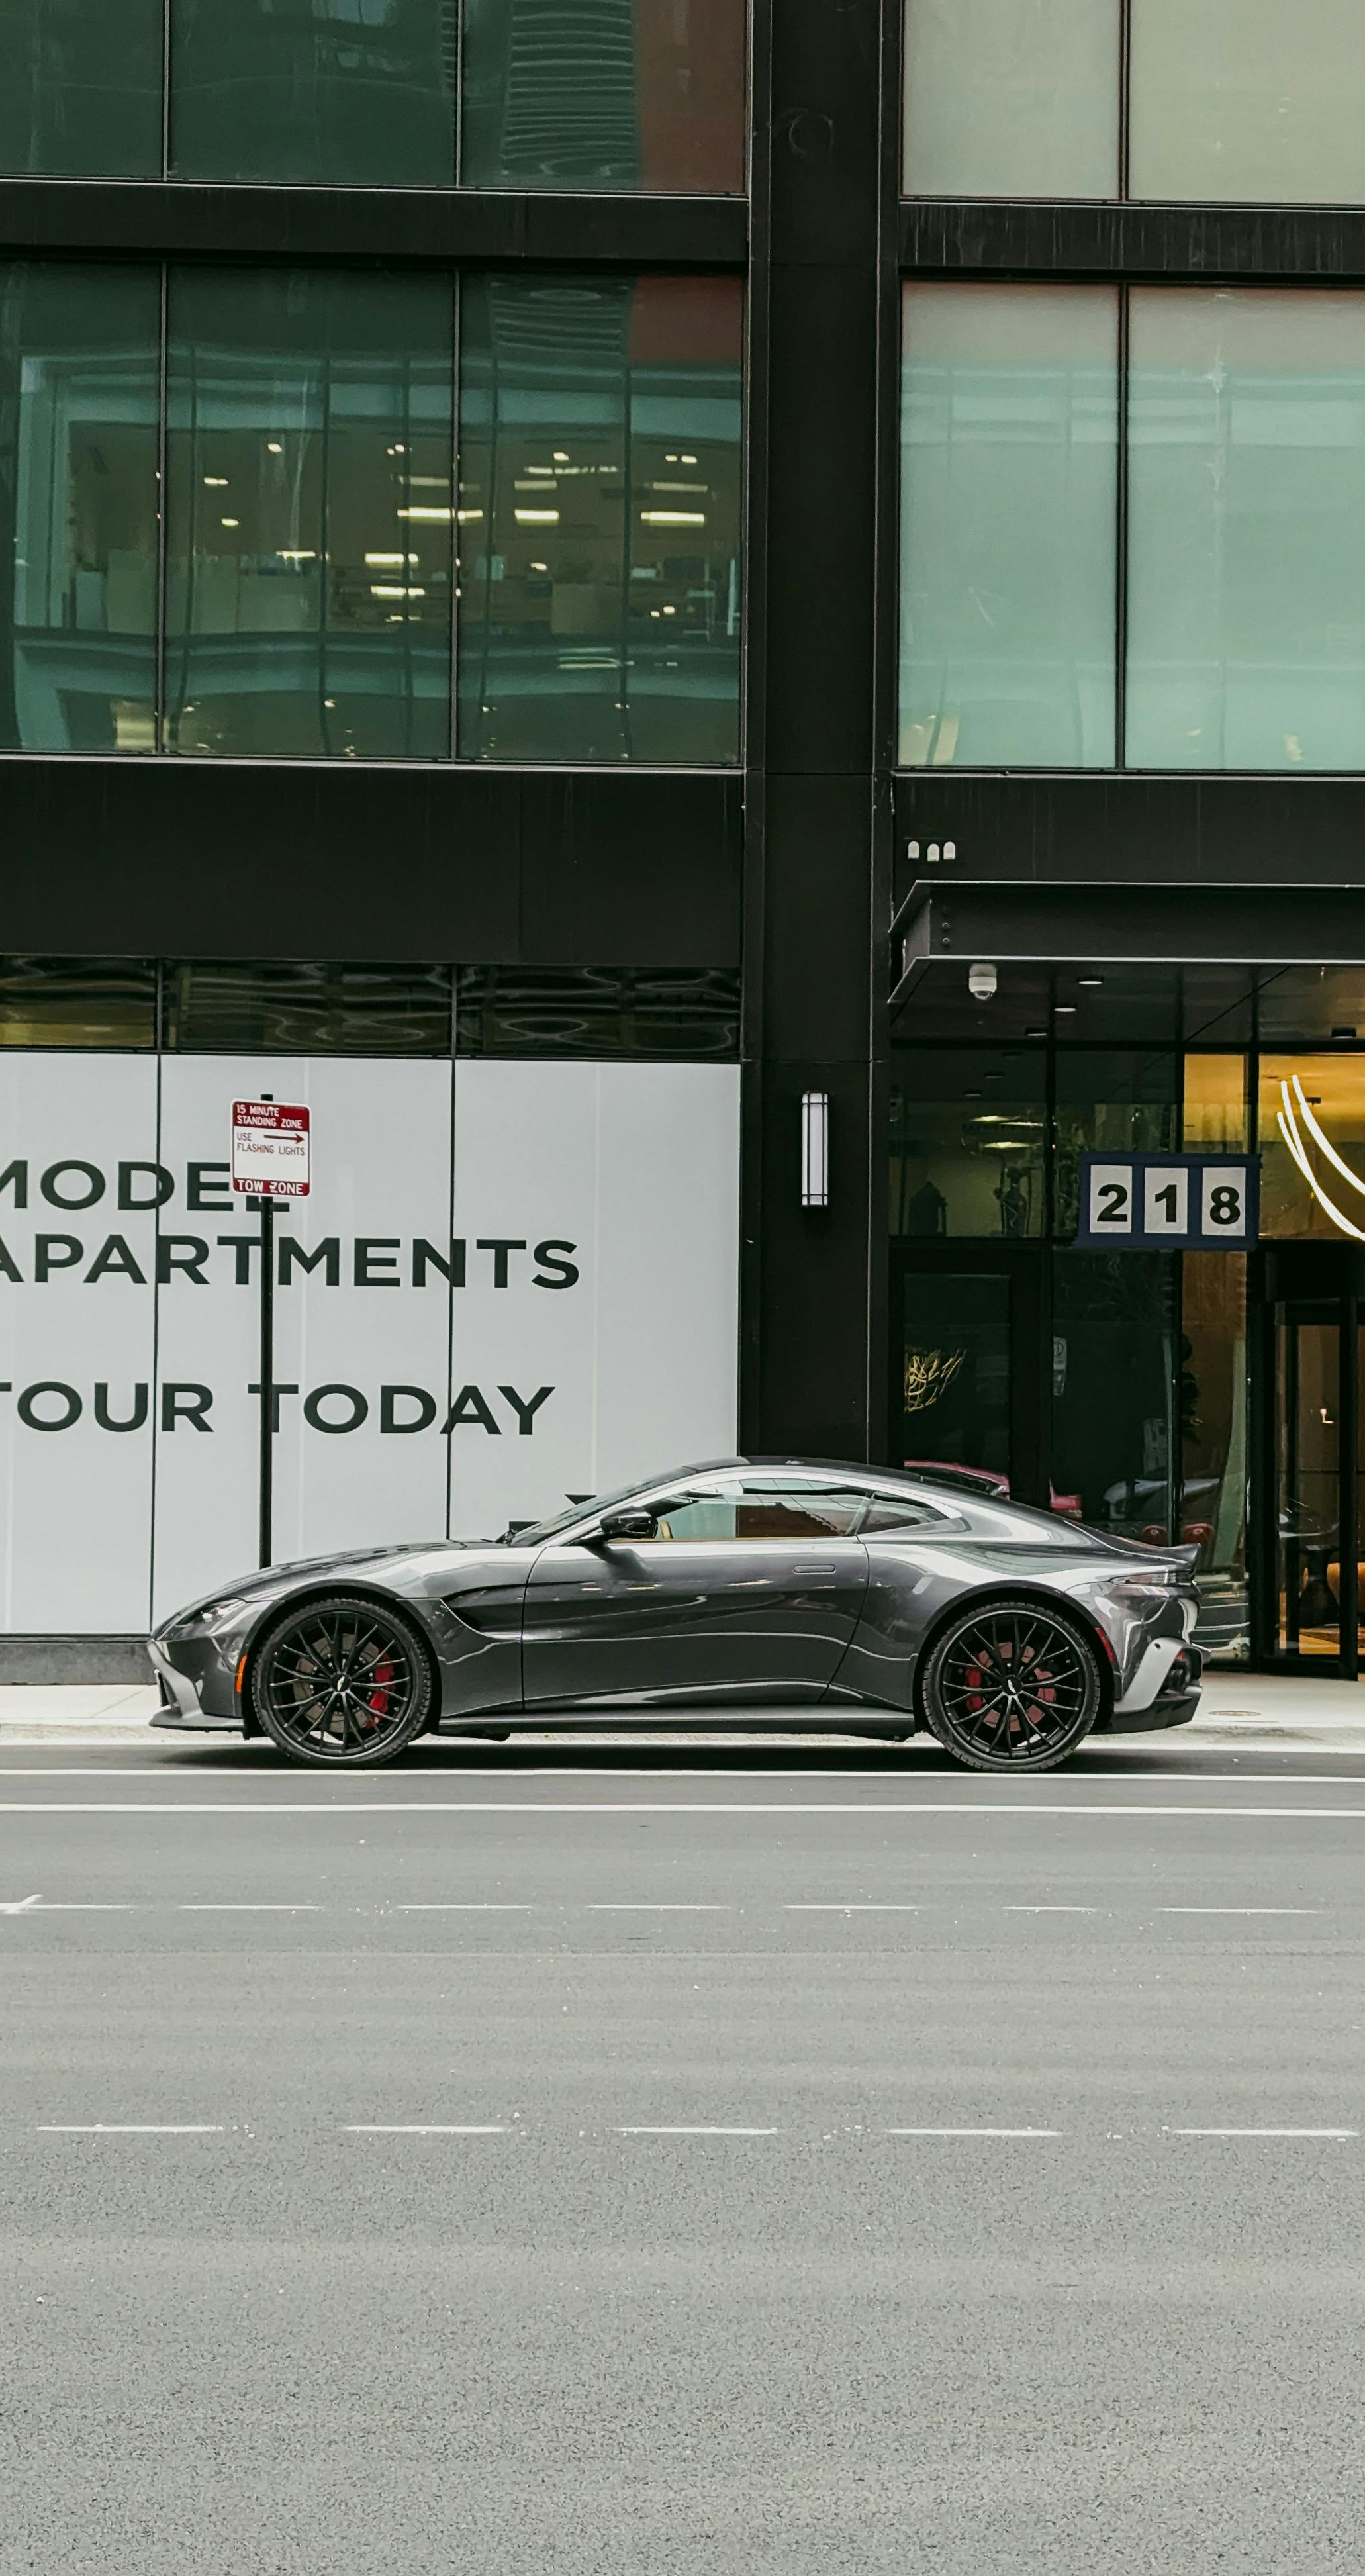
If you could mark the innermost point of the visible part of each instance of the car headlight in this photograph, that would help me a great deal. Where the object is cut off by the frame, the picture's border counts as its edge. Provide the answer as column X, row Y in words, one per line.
column 209, row 1616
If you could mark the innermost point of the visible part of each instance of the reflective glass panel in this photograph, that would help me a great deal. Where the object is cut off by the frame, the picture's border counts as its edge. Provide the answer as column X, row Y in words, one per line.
column 80, row 88
column 1215, row 1111
column 956, row 1372
column 1308, row 1495
column 674, row 1011
column 212, row 1007
column 603, row 94
column 77, row 1002
column 1008, row 497
column 310, row 462
column 1011, row 98
column 1246, row 530
column 1213, row 1443
column 1109, row 1099
column 1247, row 99
column 1113, row 1450
column 599, row 507
column 1312, row 1109
column 968, row 1142
column 346, row 91
column 78, row 458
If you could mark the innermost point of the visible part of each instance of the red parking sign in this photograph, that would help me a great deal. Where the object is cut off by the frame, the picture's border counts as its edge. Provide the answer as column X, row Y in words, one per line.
column 270, row 1148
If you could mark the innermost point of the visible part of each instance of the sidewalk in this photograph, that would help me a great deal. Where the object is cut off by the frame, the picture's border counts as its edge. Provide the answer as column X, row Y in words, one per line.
column 1253, row 1708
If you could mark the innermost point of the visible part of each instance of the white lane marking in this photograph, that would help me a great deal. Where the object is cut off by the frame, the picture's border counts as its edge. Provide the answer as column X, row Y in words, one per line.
column 615, row 1908
column 1241, row 1909
column 249, row 1909
column 678, row 2131
column 424, row 2128
column 972, row 2133
column 1260, row 2133
column 21, row 1905
column 54, row 1905
column 872, row 1810
column 130, row 2129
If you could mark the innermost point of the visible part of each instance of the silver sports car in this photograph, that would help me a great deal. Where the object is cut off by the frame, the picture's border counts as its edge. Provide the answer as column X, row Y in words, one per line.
column 876, row 1603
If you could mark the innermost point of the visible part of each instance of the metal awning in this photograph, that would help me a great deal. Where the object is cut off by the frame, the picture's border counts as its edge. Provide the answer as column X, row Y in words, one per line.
column 1134, row 964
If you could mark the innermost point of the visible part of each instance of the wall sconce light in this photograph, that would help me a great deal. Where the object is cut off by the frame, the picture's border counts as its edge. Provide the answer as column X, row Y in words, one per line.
column 815, row 1149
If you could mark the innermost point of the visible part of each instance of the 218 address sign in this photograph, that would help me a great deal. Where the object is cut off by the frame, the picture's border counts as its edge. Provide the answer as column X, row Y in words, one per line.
column 1169, row 1202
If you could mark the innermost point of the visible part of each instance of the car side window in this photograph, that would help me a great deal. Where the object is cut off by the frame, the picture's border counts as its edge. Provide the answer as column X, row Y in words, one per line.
column 761, row 1508
column 889, row 1517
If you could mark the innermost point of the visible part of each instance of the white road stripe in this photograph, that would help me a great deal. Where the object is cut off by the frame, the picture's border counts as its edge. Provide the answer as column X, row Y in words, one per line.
column 52, row 1905
column 131, row 2129
column 21, row 1905
column 972, row 2133
column 1260, row 2133
column 425, row 2128
column 871, row 1810
column 675, row 2131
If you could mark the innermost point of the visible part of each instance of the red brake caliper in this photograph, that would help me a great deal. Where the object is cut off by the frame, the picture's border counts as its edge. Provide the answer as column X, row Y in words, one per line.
column 379, row 1697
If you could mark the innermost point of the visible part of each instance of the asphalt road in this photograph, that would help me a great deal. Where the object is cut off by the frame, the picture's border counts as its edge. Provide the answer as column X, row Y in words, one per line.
column 732, row 2161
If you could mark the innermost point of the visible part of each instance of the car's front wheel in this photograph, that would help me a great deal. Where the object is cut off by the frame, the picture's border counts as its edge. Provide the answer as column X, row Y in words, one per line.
column 342, row 1681
column 1012, row 1687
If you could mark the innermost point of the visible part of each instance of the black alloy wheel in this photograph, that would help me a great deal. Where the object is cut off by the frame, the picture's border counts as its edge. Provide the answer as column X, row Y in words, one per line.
column 1012, row 1687
column 342, row 1681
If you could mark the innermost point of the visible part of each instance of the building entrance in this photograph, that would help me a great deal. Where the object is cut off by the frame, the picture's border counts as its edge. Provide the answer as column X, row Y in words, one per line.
column 1307, row 1397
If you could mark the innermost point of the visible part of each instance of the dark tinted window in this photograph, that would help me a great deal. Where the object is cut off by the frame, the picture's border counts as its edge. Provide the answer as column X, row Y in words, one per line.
column 359, row 91
column 78, row 456
column 77, row 1002
column 596, row 1011
column 968, row 1141
column 600, row 519
column 308, row 1010
column 80, row 87
column 603, row 94
column 309, row 453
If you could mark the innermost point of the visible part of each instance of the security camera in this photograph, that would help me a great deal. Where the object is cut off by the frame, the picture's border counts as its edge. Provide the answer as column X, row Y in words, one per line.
column 981, row 983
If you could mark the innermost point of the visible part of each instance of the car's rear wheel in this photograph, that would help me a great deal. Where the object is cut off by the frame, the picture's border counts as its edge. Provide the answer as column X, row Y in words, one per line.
column 342, row 1681
column 1012, row 1687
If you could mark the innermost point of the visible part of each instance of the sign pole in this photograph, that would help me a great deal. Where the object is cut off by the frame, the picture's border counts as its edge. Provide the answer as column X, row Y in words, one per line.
column 271, row 1158
column 267, row 1366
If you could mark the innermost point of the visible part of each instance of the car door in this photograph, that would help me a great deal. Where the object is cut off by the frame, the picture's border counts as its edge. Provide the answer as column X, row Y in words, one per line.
column 751, row 1587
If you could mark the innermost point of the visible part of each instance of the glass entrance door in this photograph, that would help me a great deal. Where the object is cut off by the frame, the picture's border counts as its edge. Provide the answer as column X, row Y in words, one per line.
column 965, row 1379
column 1316, row 1480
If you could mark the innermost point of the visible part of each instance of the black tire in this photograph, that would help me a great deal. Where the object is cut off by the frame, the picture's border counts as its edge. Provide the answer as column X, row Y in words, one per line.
column 342, row 1682
column 982, row 1716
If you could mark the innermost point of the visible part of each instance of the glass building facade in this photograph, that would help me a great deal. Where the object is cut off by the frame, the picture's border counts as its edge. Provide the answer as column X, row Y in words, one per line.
column 552, row 94
column 332, row 553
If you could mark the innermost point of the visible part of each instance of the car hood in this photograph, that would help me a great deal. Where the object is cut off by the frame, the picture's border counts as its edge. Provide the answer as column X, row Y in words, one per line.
column 263, row 1581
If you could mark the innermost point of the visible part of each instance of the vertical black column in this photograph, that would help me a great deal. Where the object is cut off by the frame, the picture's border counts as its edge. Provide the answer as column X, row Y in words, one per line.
column 812, row 1276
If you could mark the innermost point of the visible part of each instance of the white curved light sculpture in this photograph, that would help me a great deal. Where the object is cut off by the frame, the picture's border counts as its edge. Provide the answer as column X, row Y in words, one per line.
column 1288, row 1127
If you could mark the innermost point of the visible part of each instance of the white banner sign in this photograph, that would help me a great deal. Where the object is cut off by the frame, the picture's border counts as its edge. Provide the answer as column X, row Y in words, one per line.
column 536, row 1296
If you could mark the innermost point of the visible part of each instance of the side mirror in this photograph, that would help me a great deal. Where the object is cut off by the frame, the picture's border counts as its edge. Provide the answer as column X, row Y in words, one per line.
column 628, row 1524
